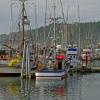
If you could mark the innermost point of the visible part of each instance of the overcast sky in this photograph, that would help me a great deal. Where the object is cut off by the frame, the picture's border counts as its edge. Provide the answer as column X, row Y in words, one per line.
column 89, row 11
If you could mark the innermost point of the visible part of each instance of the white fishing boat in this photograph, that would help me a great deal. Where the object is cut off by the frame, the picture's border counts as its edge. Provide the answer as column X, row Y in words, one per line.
column 72, row 55
column 55, row 66
column 51, row 73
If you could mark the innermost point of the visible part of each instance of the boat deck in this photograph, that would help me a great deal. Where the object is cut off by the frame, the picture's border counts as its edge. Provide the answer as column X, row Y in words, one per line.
column 49, row 71
column 86, row 70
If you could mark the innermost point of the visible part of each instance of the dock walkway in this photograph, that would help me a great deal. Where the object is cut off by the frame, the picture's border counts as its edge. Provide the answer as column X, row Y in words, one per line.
column 12, row 71
column 88, row 70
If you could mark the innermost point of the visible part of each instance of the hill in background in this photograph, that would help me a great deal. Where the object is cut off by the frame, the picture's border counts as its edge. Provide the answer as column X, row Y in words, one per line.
column 90, row 33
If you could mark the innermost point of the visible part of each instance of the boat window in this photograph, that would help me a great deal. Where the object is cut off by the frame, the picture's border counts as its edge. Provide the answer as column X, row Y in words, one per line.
column 74, row 56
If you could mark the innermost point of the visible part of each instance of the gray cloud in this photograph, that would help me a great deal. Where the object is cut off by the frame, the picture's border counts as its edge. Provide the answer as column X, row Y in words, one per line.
column 89, row 11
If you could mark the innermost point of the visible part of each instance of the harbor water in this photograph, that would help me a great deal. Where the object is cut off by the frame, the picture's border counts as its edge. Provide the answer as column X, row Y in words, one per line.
column 74, row 87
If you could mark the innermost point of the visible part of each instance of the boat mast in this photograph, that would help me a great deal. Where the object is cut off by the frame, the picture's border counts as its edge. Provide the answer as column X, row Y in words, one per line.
column 23, row 29
column 36, row 34
column 11, row 26
column 23, row 32
column 79, row 42
column 54, row 31
column 67, row 30
column 64, row 26
column 45, row 32
column 11, row 30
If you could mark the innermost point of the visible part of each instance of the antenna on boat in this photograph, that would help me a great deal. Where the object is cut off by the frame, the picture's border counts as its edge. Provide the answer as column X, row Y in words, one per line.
column 79, row 42
column 54, row 30
column 67, row 30
column 64, row 27
column 11, row 26
column 36, row 34
column 54, row 27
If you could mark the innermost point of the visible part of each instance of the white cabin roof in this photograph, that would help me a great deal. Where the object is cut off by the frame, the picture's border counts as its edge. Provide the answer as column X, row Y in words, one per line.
column 87, row 50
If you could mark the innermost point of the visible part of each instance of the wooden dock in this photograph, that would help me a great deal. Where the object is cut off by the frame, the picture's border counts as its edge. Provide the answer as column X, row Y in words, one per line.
column 12, row 71
column 85, row 70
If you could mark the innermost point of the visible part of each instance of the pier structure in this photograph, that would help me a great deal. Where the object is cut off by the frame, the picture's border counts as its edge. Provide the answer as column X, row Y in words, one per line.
column 86, row 67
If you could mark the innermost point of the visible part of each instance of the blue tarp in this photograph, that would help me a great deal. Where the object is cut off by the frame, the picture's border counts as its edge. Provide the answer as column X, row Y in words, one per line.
column 72, row 49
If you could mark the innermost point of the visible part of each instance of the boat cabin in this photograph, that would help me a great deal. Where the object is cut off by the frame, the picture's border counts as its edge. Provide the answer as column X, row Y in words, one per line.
column 72, row 55
column 4, row 54
column 71, row 52
column 87, row 54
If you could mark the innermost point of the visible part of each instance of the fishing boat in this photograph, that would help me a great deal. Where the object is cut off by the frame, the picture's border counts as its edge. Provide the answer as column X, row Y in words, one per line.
column 51, row 73
column 97, row 52
column 13, row 64
column 53, row 66
column 87, row 54
column 72, row 51
column 73, row 45
column 72, row 56
column 88, row 49
column 3, row 57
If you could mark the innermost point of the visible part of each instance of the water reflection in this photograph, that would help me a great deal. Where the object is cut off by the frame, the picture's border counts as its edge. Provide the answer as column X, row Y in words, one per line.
column 9, row 89
column 75, row 87
column 25, row 89
column 51, row 89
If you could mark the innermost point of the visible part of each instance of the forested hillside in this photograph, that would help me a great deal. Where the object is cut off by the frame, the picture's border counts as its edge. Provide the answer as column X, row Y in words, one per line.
column 89, row 31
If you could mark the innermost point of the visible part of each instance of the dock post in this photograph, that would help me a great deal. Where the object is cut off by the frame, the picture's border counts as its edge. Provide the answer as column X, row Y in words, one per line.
column 23, row 58
column 25, row 70
column 29, row 71
column 25, row 89
column 27, row 62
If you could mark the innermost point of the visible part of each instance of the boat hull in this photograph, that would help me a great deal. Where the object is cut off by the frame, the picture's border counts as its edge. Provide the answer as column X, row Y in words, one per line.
column 45, row 73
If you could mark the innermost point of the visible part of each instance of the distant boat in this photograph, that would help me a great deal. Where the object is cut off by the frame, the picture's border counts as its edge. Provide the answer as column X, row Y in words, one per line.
column 87, row 54
column 12, row 65
column 72, row 55
column 97, row 53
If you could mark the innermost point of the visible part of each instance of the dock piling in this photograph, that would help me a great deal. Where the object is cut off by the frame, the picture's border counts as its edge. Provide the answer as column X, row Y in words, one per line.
column 25, row 70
